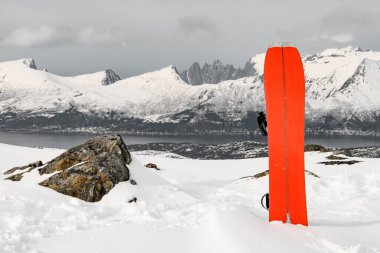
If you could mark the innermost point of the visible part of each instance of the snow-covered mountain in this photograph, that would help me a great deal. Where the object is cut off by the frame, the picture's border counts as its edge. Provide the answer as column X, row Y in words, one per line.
column 342, row 94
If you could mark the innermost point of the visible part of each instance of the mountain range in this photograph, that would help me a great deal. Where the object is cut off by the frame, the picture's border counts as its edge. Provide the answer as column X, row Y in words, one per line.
column 342, row 95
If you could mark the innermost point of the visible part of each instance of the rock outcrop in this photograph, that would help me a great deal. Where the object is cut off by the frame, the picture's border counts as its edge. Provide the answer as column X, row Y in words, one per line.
column 30, row 165
column 91, row 170
column 152, row 166
column 30, row 63
column 315, row 147
column 110, row 78
column 25, row 169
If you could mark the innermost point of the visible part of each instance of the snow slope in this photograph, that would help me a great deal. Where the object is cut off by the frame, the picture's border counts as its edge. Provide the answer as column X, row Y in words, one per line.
column 342, row 83
column 190, row 206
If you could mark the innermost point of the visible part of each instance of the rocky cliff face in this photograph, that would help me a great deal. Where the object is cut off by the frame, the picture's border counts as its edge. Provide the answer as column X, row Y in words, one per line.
column 215, row 73
column 110, row 78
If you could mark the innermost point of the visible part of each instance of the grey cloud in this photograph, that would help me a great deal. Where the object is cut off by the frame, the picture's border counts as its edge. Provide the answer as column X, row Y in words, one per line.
column 340, row 26
column 47, row 36
column 346, row 19
column 190, row 25
column 91, row 36
column 346, row 24
column 42, row 36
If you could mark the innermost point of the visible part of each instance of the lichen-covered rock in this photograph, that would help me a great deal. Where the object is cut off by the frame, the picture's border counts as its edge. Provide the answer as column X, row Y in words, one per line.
column 30, row 165
column 152, row 166
column 16, row 177
column 91, row 170
column 25, row 169
column 315, row 147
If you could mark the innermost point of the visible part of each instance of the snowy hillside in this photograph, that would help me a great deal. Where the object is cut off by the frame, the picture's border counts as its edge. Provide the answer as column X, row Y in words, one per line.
column 342, row 94
column 190, row 206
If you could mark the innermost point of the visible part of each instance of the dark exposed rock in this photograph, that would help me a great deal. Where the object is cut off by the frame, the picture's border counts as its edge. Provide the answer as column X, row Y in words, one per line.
column 18, row 176
column 152, row 165
column 367, row 152
column 30, row 165
column 258, row 175
column 133, row 182
column 215, row 73
column 193, row 75
column 243, row 150
column 350, row 162
column 133, row 200
column 30, row 63
column 335, row 157
column 311, row 174
column 266, row 173
column 315, row 147
column 110, row 78
column 91, row 170
column 233, row 150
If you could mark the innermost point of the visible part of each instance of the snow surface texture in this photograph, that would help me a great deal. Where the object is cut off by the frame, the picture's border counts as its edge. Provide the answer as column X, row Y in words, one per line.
column 342, row 83
column 190, row 206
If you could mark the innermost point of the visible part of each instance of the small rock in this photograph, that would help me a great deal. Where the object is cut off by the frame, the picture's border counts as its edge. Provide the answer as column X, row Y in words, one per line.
column 258, row 175
column 30, row 165
column 312, row 174
column 133, row 182
column 334, row 157
column 350, row 162
column 152, row 165
column 16, row 177
column 315, row 147
column 262, row 174
column 266, row 173
column 132, row 200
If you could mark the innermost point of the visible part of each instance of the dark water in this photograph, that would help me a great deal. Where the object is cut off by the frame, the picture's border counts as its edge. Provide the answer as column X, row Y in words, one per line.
column 70, row 140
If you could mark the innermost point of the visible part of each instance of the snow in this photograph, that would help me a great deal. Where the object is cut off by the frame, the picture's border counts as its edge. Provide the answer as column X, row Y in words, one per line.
column 327, row 71
column 258, row 61
column 190, row 206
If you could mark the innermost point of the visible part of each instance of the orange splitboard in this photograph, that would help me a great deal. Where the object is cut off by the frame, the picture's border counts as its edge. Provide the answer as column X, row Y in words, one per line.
column 285, row 105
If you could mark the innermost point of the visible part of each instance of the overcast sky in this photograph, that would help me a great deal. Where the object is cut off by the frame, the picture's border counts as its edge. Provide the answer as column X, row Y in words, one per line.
column 81, row 36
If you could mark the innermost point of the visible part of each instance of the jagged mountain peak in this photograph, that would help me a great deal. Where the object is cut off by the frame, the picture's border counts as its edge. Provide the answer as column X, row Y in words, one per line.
column 214, row 73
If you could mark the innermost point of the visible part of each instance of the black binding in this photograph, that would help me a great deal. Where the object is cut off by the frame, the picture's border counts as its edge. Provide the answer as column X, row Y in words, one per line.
column 266, row 196
column 262, row 121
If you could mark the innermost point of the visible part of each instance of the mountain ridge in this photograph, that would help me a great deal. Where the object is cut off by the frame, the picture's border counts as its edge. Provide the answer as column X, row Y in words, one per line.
column 341, row 95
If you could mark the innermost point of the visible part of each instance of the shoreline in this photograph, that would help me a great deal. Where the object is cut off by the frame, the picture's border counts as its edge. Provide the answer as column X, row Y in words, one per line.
column 99, row 131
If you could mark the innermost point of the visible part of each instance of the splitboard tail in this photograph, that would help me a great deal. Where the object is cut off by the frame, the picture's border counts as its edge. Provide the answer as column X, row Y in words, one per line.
column 284, row 86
